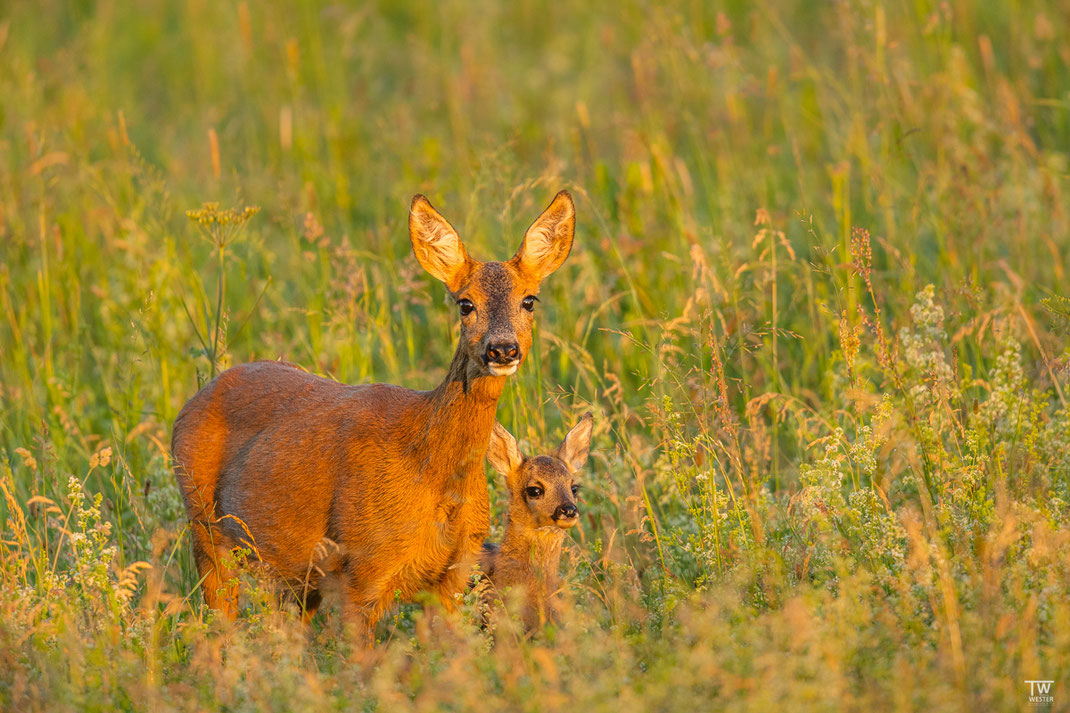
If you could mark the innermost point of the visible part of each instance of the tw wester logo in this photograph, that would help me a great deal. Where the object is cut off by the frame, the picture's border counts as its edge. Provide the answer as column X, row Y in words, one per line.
column 1040, row 692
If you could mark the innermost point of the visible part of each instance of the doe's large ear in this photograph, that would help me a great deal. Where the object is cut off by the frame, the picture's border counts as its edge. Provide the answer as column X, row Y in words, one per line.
column 549, row 239
column 577, row 444
column 436, row 244
column 503, row 452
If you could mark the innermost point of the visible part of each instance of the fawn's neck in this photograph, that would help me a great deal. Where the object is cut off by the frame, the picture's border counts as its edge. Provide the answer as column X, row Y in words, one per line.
column 460, row 417
column 539, row 548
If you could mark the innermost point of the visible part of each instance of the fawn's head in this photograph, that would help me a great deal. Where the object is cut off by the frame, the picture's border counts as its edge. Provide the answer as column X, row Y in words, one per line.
column 496, row 300
column 542, row 489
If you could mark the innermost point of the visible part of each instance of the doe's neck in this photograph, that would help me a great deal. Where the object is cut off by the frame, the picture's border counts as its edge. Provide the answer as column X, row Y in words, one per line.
column 459, row 417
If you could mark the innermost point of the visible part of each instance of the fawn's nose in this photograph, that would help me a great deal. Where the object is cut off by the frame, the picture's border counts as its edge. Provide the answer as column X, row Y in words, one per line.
column 503, row 352
column 566, row 512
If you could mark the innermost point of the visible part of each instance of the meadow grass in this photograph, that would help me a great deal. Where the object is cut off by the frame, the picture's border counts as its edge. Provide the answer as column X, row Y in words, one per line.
column 817, row 301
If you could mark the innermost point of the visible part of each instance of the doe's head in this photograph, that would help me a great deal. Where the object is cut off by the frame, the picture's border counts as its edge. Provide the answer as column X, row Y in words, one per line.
column 496, row 300
column 543, row 488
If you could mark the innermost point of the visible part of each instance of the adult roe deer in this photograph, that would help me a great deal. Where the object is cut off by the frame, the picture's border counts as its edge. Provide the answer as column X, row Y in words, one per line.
column 270, row 457
column 542, row 506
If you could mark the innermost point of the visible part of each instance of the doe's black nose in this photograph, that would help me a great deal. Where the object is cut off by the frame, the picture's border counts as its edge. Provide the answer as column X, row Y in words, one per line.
column 565, row 512
column 503, row 352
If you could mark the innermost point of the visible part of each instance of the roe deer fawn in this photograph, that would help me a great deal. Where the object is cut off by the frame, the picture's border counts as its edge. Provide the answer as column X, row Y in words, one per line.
column 273, row 458
column 542, row 505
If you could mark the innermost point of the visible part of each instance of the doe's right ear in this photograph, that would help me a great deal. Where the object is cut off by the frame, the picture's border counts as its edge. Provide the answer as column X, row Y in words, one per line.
column 436, row 244
column 549, row 239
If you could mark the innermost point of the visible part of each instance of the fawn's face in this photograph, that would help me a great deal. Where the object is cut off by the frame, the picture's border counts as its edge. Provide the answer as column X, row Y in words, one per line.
column 543, row 488
column 495, row 300
column 547, row 489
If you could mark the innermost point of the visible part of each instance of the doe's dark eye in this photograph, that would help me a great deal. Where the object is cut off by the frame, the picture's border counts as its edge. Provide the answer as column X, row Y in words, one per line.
column 575, row 490
column 466, row 306
column 529, row 303
column 534, row 491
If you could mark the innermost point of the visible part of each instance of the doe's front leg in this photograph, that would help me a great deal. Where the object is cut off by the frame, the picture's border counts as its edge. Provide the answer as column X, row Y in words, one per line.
column 362, row 607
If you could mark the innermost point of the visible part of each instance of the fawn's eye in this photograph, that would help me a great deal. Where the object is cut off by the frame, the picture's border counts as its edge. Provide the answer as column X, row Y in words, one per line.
column 466, row 306
column 575, row 490
column 534, row 491
column 529, row 303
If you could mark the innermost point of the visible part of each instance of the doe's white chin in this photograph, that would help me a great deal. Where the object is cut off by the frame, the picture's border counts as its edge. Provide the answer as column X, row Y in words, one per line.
column 502, row 369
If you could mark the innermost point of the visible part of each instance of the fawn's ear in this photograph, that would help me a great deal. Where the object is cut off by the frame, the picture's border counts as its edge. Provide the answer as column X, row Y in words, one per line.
column 436, row 244
column 549, row 239
column 503, row 453
column 577, row 444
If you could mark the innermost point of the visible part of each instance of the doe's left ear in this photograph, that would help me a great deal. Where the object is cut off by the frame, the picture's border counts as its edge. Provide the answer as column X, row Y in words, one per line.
column 437, row 246
column 577, row 444
column 549, row 239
